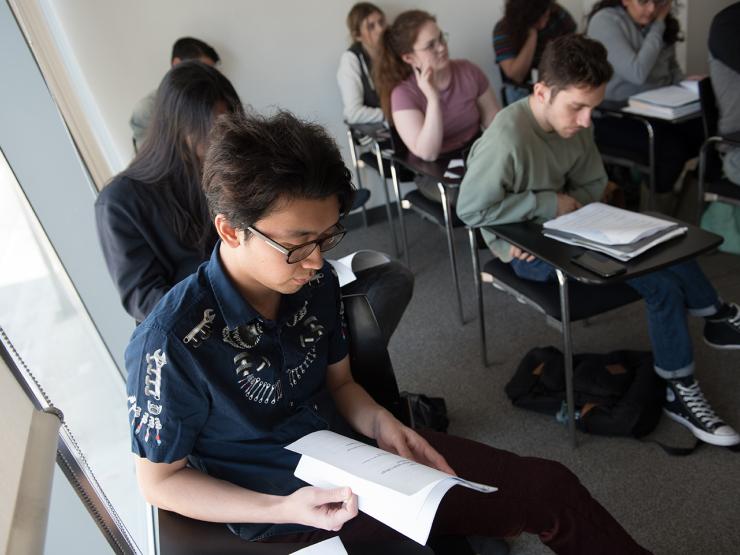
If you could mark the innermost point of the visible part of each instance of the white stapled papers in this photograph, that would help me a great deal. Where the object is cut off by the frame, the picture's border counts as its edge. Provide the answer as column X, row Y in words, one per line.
column 614, row 231
column 607, row 224
column 356, row 262
column 399, row 492
column 332, row 546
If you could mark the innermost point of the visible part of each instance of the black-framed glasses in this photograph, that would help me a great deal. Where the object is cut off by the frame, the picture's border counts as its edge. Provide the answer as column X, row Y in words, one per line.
column 327, row 241
column 655, row 2
column 433, row 44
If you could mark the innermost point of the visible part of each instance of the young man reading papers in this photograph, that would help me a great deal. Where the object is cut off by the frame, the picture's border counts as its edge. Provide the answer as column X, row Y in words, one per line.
column 249, row 354
column 538, row 160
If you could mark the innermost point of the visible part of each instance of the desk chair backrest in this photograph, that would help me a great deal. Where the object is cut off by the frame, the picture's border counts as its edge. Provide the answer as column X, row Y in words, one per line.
column 369, row 358
column 709, row 110
column 710, row 119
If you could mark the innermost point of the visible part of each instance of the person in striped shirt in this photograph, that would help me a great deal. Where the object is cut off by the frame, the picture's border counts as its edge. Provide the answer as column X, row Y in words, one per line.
column 520, row 37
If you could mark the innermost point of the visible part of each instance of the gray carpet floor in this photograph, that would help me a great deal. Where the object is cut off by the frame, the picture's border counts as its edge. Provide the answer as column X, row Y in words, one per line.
column 671, row 505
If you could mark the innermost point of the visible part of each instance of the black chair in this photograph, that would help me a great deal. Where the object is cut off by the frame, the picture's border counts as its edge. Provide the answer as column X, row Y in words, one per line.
column 372, row 368
column 712, row 186
column 628, row 158
column 561, row 303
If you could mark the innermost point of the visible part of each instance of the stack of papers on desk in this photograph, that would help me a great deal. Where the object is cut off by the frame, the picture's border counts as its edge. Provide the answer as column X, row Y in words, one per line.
column 619, row 233
column 671, row 102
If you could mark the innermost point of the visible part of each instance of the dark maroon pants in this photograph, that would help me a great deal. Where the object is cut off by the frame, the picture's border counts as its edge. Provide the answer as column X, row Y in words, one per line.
column 537, row 496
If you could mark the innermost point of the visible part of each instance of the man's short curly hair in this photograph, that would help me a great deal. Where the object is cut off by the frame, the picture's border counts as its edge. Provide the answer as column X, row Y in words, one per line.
column 574, row 61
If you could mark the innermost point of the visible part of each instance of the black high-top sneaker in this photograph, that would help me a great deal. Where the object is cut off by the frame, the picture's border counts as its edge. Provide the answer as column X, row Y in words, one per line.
column 722, row 330
column 685, row 403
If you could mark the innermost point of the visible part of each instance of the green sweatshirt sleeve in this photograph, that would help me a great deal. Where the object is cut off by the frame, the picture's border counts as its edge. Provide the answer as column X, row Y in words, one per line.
column 491, row 192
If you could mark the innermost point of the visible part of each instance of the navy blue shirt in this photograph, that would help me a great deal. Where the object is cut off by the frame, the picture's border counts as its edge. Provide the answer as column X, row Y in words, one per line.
column 210, row 379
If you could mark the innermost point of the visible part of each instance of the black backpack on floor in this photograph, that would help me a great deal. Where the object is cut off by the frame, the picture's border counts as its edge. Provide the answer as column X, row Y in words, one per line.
column 617, row 393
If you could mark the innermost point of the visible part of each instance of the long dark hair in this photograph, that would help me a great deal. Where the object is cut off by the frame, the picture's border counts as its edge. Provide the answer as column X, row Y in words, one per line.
column 520, row 16
column 397, row 39
column 672, row 33
column 182, row 118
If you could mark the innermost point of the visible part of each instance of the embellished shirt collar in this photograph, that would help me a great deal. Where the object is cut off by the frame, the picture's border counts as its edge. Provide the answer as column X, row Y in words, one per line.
column 235, row 309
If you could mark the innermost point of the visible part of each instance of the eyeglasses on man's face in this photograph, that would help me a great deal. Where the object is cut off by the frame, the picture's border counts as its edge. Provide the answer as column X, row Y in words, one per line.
column 434, row 44
column 328, row 240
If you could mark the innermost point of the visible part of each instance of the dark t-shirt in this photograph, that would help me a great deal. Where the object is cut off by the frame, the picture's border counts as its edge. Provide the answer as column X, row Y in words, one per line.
column 210, row 379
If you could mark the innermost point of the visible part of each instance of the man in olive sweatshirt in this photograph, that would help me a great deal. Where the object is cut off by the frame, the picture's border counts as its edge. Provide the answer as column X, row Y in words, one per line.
column 538, row 160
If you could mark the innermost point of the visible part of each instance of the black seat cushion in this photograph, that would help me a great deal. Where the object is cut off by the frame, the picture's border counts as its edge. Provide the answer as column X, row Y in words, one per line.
column 586, row 301
column 430, row 209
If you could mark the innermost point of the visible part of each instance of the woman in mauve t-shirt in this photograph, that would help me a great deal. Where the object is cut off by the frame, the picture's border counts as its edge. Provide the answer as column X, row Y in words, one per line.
column 437, row 105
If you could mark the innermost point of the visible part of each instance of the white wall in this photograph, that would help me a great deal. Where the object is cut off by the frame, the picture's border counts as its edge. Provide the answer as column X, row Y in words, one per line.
column 696, row 28
column 276, row 52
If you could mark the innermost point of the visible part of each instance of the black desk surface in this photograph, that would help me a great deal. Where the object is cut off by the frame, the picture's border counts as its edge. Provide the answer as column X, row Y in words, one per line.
column 528, row 236
column 616, row 107
column 435, row 170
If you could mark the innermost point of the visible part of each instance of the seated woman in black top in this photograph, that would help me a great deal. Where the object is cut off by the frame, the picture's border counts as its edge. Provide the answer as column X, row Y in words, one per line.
column 152, row 218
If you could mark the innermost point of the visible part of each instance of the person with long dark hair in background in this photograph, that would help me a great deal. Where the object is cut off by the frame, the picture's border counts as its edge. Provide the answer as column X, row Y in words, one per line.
column 520, row 37
column 640, row 37
column 152, row 218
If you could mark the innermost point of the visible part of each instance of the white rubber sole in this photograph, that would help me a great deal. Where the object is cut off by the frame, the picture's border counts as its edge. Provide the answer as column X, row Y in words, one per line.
column 721, row 441
column 723, row 347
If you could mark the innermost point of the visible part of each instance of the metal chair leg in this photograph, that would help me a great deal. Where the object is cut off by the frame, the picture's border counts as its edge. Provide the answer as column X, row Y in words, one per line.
column 355, row 163
column 447, row 209
column 397, row 190
column 388, row 213
column 478, row 294
column 651, row 160
column 567, row 353
column 702, row 177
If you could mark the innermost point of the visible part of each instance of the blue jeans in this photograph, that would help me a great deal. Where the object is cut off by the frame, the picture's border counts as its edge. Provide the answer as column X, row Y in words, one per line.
column 668, row 294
